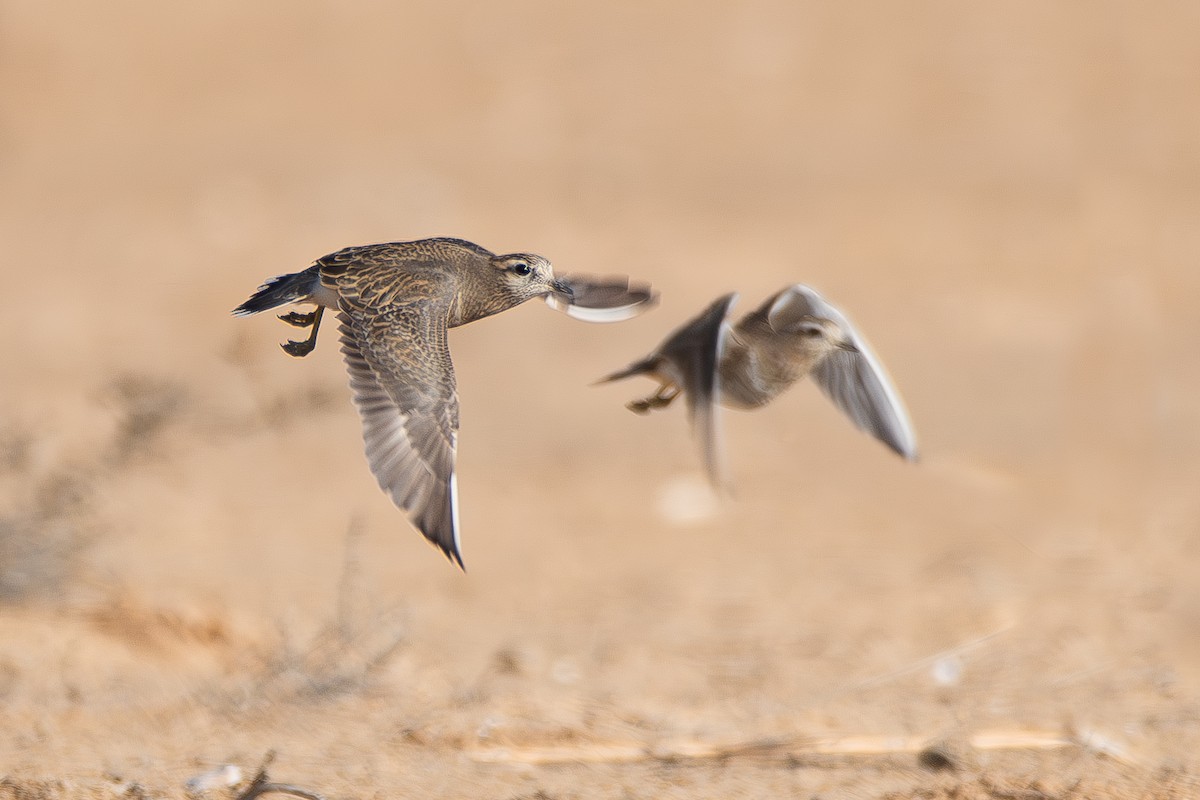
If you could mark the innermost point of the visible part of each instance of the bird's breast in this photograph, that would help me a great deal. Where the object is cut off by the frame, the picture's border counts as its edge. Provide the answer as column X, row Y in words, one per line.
column 753, row 373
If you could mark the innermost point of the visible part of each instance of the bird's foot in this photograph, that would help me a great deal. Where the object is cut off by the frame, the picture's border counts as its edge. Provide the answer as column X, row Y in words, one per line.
column 639, row 406
column 298, row 319
column 299, row 349
column 646, row 405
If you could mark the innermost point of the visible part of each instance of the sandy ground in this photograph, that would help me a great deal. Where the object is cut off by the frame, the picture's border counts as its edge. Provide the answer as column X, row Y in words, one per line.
column 196, row 567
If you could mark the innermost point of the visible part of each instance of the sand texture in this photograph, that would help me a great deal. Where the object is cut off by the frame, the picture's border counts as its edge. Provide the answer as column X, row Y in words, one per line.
column 196, row 567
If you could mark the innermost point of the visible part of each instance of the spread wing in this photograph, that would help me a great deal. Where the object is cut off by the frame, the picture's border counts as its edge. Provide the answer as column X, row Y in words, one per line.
column 403, row 384
column 695, row 352
column 855, row 381
column 608, row 299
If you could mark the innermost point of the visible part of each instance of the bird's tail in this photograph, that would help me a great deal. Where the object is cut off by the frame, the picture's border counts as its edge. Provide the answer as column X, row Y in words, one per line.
column 279, row 291
column 647, row 364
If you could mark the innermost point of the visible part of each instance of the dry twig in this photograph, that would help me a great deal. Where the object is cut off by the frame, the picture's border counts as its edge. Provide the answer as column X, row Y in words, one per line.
column 780, row 747
column 262, row 784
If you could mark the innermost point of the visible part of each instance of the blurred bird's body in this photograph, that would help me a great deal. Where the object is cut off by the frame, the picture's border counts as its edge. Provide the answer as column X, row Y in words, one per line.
column 793, row 334
column 394, row 303
column 759, row 362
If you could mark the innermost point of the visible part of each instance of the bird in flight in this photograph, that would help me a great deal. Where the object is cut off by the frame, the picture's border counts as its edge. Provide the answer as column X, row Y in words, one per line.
column 796, row 332
column 394, row 303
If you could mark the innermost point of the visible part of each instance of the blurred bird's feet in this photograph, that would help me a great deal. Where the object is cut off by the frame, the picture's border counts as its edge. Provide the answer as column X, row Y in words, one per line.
column 660, row 400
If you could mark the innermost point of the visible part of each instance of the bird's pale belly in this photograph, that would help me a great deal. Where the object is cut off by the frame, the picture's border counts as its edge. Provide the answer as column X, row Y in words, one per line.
column 323, row 296
column 749, row 379
column 744, row 392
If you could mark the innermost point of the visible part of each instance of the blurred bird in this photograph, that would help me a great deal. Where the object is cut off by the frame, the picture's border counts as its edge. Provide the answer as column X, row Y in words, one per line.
column 793, row 334
column 394, row 303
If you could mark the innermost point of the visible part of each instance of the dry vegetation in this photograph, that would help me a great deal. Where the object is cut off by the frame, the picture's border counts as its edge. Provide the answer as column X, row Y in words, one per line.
column 202, row 593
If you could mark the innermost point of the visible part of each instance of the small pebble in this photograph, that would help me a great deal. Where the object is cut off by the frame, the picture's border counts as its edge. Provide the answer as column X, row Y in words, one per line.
column 219, row 778
column 947, row 671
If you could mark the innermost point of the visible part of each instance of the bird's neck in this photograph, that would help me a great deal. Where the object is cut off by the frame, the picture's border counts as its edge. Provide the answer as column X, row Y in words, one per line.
column 475, row 300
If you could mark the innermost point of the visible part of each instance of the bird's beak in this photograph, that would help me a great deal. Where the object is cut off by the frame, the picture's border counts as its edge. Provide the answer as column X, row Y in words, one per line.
column 562, row 288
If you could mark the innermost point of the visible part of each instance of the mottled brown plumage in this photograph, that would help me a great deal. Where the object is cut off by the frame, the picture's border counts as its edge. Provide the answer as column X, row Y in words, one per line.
column 394, row 304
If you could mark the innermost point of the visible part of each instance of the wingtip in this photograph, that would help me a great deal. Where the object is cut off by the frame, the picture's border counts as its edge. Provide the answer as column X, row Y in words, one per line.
column 632, row 298
column 450, row 551
column 602, row 315
column 906, row 450
column 719, row 482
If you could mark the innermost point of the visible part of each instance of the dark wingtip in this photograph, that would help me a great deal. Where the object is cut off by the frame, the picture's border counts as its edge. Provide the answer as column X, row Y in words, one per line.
column 562, row 287
column 449, row 551
column 448, row 547
column 616, row 376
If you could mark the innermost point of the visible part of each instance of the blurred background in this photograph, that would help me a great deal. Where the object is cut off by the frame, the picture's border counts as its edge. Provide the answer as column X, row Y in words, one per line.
column 196, row 565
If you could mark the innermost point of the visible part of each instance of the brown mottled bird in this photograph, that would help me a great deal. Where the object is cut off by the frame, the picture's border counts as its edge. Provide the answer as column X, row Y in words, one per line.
column 394, row 303
column 796, row 332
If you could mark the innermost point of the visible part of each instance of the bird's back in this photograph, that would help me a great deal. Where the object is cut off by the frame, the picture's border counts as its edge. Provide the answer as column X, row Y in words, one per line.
column 402, row 273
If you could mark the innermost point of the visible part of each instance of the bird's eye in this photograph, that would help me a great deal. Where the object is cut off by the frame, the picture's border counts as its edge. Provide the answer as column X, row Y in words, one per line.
column 521, row 268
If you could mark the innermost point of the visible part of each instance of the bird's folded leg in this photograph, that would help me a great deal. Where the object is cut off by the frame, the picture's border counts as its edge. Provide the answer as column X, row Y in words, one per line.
column 301, row 349
column 298, row 319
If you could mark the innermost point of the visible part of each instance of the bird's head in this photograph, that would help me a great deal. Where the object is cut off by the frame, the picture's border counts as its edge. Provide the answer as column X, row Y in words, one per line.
column 821, row 336
column 524, row 276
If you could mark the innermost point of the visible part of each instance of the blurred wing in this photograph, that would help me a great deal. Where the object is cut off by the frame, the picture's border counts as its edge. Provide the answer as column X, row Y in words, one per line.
column 855, row 381
column 695, row 353
column 608, row 299
column 403, row 384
